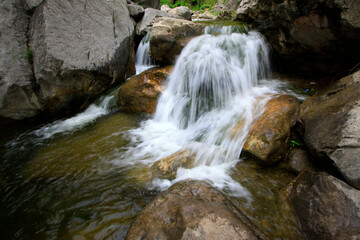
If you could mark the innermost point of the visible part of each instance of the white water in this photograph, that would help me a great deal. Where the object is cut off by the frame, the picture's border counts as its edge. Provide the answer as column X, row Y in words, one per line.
column 213, row 86
column 142, row 58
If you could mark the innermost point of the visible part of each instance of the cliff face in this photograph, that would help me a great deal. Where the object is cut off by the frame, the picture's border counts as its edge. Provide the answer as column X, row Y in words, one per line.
column 56, row 54
column 308, row 37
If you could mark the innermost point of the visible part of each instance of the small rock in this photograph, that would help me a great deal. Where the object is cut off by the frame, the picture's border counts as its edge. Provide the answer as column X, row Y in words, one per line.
column 136, row 12
column 183, row 12
column 298, row 161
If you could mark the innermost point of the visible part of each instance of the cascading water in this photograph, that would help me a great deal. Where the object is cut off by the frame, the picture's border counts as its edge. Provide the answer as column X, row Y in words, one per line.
column 212, row 88
column 142, row 59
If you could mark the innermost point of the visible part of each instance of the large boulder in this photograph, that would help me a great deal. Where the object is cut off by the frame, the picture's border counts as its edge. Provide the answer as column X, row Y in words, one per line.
column 80, row 49
column 150, row 15
column 18, row 99
column 192, row 210
column 330, row 121
column 140, row 93
column 326, row 207
column 183, row 12
column 169, row 36
column 269, row 136
column 308, row 37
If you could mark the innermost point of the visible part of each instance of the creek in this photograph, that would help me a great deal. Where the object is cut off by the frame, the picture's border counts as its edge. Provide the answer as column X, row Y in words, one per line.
column 85, row 177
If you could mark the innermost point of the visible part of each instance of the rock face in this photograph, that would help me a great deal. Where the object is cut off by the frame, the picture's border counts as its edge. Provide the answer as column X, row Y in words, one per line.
column 268, row 138
column 331, row 124
column 192, row 210
column 326, row 207
column 80, row 48
column 168, row 166
column 144, row 26
column 169, row 36
column 18, row 99
column 140, row 93
column 149, row 3
column 136, row 12
column 308, row 36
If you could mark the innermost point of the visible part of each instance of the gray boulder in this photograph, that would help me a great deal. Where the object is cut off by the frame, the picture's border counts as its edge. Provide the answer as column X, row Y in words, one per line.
column 149, row 19
column 331, row 124
column 17, row 97
column 80, row 49
column 136, row 11
column 326, row 207
column 182, row 12
column 192, row 210
column 33, row 3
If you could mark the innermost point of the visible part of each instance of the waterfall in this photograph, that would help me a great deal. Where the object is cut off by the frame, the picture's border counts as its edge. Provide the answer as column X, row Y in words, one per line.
column 213, row 87
column 142, row 58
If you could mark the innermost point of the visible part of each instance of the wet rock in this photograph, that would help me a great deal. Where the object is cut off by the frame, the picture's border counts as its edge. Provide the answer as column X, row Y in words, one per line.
column 307, row 37
column 169, row 36
column 140, row 93
column 192, row 210
column 268, row 138
column 182, row 12
column 297, row 162
column 80, row 49
column 168, row 166
column 144, row 26
column 331, row 124
column 136, row 12
column 18, row 99
column 326, row 207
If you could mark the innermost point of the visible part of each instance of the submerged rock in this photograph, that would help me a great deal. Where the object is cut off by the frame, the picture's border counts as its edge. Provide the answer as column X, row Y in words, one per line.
column 18, row 99
column 326, row 207
column 192, row 210
column 331, row 124
column 140, row 93
column 297, row 162
column 268, row 138
column 80, row 49
column 169, row 36
column 168, row 166
column 308, row 37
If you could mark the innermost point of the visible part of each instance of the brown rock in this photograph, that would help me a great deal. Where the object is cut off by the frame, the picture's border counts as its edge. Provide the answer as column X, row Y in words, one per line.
column 192, row 210
column 326, row 207
column 167, row 167
column 331, row 124
column 298, row 161
column 268, row 138
column 140, row 93
column 169, row 36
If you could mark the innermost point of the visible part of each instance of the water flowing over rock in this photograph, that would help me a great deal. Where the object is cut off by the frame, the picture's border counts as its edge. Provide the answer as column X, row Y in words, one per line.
column 192, row 210
column 268, row 138
column 169, row 36
column 326, row 207
column 80, row 49
column 143, row 60
column 308, row 37
column 331, row 125
column 140, row 93
column 18, row 99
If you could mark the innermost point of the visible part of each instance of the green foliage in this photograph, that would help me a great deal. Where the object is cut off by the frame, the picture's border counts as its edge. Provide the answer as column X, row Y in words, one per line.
column 194, row 5
column 294, row 143
column 28, row 55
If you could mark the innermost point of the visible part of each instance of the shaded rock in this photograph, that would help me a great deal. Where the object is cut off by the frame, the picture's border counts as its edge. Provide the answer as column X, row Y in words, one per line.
column 149, row 3
column 268, row 138
column 331, row 124
column 140, row 93
column 18, row 99
column 168, row 166
column 308, row 37
column 182, row 12
column 80, row 49
column 192, row 210
column 169, row 36
column 33, row 3
column 326, row 207
column 136, row 11
column 144, row 26
column 298, row 161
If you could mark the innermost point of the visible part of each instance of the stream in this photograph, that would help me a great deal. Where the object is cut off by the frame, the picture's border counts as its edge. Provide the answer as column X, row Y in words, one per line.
column 85, row 177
